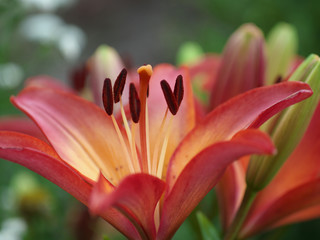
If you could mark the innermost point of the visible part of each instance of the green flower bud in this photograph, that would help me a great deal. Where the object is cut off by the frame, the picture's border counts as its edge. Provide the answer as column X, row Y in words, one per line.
column 282, row 45
column 289, row 128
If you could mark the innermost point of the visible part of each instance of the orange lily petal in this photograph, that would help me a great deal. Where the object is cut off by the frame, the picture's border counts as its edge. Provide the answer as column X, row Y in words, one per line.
column 42, row 159
column 302, row 197
column 203, row 172
column 87, row 145
column 136, row 196
column 250, row 108
column 100, row 191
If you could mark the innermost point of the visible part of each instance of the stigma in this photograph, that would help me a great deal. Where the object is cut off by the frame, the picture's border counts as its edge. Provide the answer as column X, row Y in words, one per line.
column 135, row 139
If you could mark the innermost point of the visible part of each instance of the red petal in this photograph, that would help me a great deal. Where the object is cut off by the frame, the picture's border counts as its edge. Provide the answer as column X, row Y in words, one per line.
column 299, row 216
column 80, row 132
column 42, row 159
column 230, row 191
column 203, row 172
column 137, row 195
column 238, row 113
column 303, row 197
column 302, row 166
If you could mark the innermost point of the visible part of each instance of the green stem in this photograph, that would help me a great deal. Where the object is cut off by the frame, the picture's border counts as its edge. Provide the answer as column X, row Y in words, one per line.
column 234, row 229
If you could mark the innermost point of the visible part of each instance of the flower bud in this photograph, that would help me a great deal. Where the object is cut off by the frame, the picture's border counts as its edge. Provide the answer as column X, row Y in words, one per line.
column 289, row 128
column 282, row 44
column 105, row 62
column 243, row 64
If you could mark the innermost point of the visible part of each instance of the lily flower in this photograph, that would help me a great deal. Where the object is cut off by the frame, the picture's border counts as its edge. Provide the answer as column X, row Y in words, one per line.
column 143, row 172
column 293, row 195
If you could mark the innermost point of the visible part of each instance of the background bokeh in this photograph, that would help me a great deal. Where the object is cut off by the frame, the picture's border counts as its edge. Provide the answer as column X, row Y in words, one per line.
column 53, row 36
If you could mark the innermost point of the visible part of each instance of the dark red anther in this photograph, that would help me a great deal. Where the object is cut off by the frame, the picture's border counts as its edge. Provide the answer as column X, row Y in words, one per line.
column 169, row 96
column 107, row 97
column 134, row 103
column 178, row 89
column 119, row 85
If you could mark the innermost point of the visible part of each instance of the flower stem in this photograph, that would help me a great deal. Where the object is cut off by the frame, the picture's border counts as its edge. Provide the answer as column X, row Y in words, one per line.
column 234, row 229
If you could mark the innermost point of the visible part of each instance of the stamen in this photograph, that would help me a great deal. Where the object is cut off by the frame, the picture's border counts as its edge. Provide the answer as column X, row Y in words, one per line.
column 164, row 149
column 107, row 96
column 125, row 121
column 131, row 138
column 170, row 98
column 123, row 144
column 145, row 73
column 137, row 163
column 157, row 144
column 178, row 90
column 134, row 103
column 119, row 85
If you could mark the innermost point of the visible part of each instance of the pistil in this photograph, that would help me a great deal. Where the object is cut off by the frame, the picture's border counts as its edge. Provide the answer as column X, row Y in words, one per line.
column 145, row 73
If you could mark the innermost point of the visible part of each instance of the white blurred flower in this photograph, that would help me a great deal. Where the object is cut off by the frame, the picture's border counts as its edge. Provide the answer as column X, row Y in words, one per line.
column 11, row 75
column 71, row 42
column 41, row 27
column 45, row 5
column 13, row 229
column 49, row 28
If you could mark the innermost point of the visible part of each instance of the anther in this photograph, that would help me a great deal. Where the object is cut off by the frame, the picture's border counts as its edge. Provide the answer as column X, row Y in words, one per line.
column 134, row 103
column 170, row 98
column 119, row 85
column 178, row 89
column 107, row 97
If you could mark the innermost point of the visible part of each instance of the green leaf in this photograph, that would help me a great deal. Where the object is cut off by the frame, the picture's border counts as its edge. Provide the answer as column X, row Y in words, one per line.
column 208, row 231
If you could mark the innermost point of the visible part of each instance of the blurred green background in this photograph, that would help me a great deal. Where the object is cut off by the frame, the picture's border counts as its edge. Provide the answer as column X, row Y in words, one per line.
column 53, row 36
